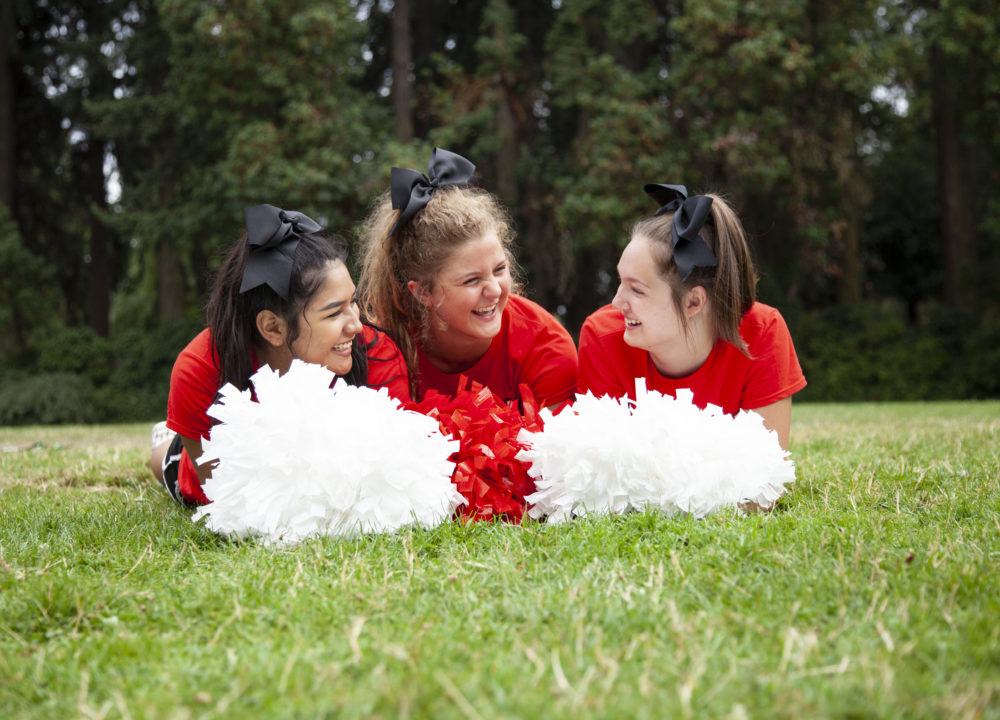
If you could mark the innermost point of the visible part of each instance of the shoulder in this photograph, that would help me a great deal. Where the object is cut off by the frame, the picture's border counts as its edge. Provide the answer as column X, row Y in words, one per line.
column 199, row 352
column 523, row 310
column 761, row 321
column 378, row 344
column 527, row 316
column 605, row 322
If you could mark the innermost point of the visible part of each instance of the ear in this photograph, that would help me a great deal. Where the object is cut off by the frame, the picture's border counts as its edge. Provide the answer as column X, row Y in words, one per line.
column 695, row 301
column 420, row 292
column 272, row 328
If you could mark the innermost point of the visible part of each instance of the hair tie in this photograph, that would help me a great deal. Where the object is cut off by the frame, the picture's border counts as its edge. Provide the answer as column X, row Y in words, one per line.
column 412, row 190
column 690, row 215
column 273, row 235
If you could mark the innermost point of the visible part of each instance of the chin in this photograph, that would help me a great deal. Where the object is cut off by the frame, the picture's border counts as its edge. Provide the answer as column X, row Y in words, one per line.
column 633, row 341
column 491, row 330
column 340, row 367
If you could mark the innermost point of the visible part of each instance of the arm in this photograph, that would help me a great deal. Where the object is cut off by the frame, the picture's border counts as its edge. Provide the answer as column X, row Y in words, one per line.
column 194, row 451
column 778, row 417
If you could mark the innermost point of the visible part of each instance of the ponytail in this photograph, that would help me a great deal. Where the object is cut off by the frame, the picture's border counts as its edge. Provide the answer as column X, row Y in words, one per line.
column 731, row 284
column 417, row 250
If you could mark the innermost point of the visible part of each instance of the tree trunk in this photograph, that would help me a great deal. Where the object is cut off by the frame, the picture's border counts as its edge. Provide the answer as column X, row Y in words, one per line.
column 402, row 90
column 8, row 136
column 169, row 284
column 99, row 292
column 8, row 159
column 956, row 222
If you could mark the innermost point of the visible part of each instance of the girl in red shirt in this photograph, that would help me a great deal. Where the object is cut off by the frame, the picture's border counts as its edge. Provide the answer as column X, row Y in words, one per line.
column 282, row 293
column 685, row 316
column 437, row 274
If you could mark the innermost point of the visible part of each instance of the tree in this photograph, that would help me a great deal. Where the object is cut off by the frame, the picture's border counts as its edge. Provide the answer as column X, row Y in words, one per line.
column 401, row 57
column 8, row 105
column 235, row 104
column 63, row 65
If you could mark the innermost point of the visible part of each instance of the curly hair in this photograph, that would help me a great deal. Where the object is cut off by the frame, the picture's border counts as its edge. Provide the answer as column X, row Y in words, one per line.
column 417, row 251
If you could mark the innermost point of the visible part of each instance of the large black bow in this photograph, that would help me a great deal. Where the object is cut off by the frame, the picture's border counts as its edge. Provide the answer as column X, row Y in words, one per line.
column 272, row 235
column 690, row 215
column 412, row 190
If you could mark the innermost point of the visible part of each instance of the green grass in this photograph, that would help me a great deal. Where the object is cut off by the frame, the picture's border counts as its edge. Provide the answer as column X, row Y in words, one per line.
column 872, row 591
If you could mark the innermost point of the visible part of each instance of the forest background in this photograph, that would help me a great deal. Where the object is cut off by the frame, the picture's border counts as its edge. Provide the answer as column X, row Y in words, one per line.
column 859, row 142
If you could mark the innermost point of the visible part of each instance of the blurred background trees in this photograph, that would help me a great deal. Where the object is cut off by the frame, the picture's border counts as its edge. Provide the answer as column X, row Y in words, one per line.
column 858, row 141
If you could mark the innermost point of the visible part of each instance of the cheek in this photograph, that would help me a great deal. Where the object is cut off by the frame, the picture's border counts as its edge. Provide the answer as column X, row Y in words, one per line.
column 301, row 342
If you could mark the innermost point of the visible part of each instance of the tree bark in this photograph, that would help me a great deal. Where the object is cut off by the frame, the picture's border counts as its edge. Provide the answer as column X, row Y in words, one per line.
column 8, row 129
column 99, row 291
column 169, row 284
column 402, row 90
column 956, row 222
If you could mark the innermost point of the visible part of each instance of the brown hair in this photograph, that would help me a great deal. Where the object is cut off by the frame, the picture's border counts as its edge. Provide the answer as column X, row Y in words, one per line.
column 418, row 251
column 731, row 284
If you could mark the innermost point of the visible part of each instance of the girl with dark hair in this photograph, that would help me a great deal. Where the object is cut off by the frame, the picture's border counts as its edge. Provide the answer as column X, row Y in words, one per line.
column 438, row 273
column 283, row 292
column 686, row 316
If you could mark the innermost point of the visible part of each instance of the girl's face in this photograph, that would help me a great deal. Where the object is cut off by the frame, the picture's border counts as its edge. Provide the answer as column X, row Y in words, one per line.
column 471, row 291
column 652, row 322
column 329, row 322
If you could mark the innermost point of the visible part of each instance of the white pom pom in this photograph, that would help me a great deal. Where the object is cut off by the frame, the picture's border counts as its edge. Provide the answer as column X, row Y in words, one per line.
column 308, row 459
column 607, row 455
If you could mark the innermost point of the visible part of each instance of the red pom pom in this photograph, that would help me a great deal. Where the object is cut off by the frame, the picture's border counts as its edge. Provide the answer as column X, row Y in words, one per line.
column 487, row 474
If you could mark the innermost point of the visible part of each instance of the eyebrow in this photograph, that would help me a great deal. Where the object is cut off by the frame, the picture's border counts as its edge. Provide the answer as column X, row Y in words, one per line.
column 629, row 278
column 332, row 305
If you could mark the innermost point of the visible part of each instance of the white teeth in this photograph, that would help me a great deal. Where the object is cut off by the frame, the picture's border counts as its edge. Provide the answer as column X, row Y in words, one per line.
column 343, row 347
column 632, row 323
column 485, row 311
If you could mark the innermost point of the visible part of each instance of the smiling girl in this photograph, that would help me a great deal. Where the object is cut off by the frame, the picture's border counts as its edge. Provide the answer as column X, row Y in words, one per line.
column 283, row 292
column 685, row 316
column 438, row 274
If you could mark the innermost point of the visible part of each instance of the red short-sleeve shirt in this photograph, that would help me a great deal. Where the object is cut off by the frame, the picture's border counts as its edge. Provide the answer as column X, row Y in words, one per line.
column 532, row 348
column 194, row 384
column 728, row 378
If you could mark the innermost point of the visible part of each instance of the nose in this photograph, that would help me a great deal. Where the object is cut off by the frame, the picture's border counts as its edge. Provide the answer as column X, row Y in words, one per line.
column 618, row 301
column 492, row 288
column 353, row 323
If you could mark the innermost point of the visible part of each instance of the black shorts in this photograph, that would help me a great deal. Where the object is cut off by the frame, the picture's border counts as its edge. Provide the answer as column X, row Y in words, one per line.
column 171, row 471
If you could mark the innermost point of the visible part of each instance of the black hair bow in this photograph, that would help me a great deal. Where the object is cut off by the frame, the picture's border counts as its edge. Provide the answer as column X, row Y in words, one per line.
column 412, row 190
column 690, row 215
column 273, row 235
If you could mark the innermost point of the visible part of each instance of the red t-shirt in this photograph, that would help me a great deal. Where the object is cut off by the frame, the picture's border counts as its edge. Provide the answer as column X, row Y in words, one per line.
column 728, row 378
column 532, row 348
column 194, row 384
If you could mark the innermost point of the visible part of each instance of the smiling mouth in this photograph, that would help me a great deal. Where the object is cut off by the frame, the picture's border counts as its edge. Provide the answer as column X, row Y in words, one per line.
column 343, row 347
column 632, row 323
column 485, row 312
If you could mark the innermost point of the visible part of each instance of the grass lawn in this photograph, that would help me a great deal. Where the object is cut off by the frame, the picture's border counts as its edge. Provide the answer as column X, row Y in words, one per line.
column 872, row 591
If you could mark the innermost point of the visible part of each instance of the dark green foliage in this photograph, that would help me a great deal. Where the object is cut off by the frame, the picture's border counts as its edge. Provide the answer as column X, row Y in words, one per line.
column 138, row 387
column 869, row 352
column 46, row 399
column 85, row 378
column 76, row 350
column 819, row 123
